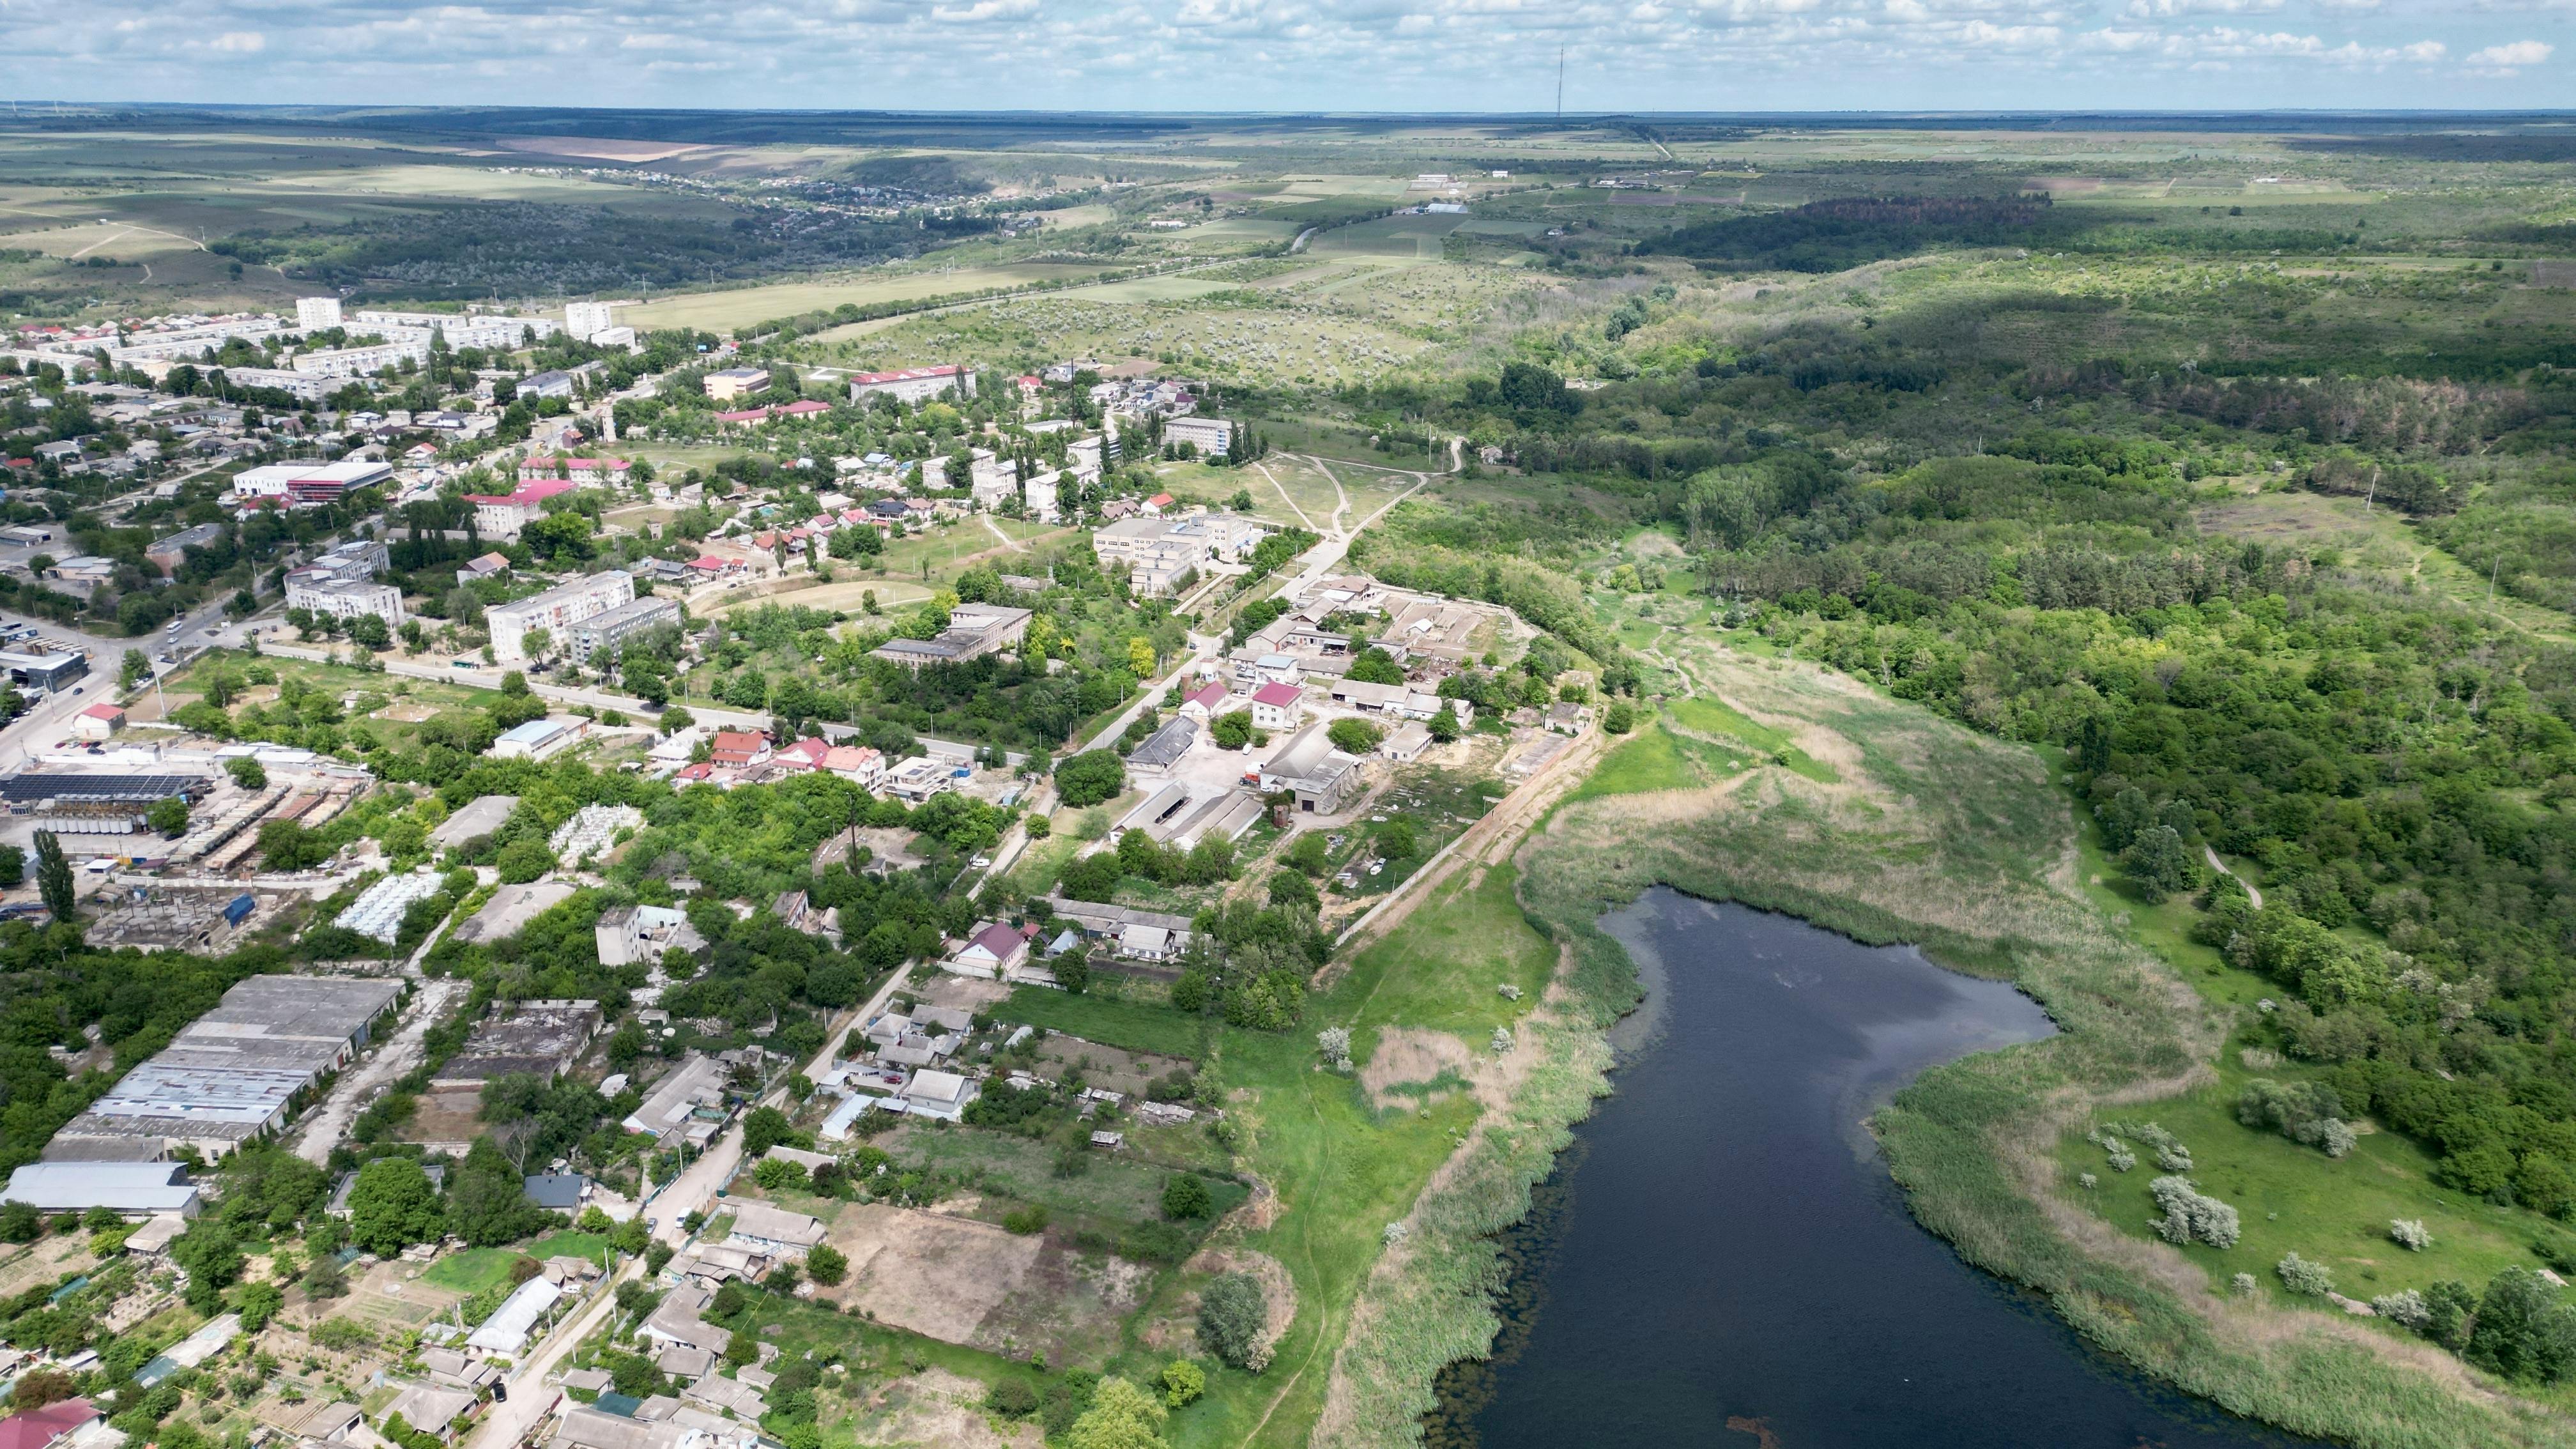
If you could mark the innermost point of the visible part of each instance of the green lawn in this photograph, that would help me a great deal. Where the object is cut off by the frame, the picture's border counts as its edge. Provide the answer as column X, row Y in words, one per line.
column 1441, row 968
column 1707, row 716
column 473, row 1270
column 1652, row 759
column 1133, row 1025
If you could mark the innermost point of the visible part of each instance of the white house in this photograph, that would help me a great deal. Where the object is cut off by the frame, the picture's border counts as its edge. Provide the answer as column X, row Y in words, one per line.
column 1277, row 706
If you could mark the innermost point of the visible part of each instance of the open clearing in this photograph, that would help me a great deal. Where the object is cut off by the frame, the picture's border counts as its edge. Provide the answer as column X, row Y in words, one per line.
column 972, row 1283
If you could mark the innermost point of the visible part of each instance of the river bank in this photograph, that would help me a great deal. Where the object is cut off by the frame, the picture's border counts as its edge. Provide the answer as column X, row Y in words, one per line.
column 1938, row 837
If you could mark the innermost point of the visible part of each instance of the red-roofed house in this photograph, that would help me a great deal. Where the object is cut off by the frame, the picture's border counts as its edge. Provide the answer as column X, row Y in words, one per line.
column 802, row 755
column 803, row 407
column 1155, row 505
column 503, row 515
column 990, row 953
column 857, row 764
column 1207, row 700
column 1275, row 706
column 97, row 722
column 743, row 417
column 740, row 748
column 52, row 1424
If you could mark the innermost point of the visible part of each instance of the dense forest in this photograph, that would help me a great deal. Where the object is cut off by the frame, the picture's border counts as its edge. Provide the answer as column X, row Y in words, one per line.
column 2024, row 546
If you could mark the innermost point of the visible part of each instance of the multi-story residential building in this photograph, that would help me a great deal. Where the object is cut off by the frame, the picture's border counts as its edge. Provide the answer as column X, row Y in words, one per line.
column 914, row 384
column 345, row 598
column 1210, row 436
column 585, row 320
column 294, row 384
column 556, row 610
column 317, row 314
column 489, row 332
column 369, row 358
column 502, row 515
column 609, row 630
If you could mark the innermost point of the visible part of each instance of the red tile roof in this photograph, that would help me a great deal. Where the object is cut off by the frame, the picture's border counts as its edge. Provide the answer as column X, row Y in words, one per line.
column 37, row 1428
column 801, row 408
column 999, row 939
column 1277, row 696
column 908, row 374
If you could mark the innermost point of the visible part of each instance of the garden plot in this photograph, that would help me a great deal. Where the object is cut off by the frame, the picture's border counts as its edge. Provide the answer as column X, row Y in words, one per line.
column 975, row 1284
column 1106, row 1067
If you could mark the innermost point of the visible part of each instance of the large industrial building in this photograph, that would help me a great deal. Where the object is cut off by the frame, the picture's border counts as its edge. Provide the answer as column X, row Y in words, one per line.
column 232, row 1075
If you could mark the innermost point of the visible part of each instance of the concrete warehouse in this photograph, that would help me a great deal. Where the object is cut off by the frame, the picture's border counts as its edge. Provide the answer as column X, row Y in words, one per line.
column 234, row 1074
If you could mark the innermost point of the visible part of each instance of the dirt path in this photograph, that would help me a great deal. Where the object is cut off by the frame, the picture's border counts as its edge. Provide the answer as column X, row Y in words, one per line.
column 1007, row 541
column 1485, row 843
column 396, row 1059
column 2253, row 892
column 1284, row 498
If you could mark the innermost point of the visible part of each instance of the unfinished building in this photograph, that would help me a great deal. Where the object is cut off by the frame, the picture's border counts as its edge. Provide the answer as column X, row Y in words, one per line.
column 536, row 1038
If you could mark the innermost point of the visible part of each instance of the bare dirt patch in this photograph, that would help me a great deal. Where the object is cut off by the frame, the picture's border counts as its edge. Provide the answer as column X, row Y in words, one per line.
column 967, row 1282
column 1413, row 1054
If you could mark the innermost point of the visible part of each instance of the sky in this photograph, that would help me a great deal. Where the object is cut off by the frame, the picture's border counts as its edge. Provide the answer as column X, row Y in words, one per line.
column 1333, row 55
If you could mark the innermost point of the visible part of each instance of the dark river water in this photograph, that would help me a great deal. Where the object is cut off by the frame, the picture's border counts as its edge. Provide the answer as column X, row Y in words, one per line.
column 1722, row 1258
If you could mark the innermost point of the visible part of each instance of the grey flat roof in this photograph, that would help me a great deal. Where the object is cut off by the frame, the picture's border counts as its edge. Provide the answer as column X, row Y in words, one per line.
column 124, row 1186
column 479, row 818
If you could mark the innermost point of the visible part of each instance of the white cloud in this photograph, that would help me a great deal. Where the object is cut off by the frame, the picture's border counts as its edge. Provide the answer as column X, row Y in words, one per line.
column 1235, row 55
column 2510, row 58
column 2170, row 9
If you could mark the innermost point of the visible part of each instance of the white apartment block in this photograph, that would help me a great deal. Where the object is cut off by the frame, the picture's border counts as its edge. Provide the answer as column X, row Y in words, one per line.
column 368, row 359
column 556, row 610
column 486, row 331
column 1208, row 435
column 317, row 314
column 346, row 598
column 294, row 384
column 188, row 343
column 586, row 320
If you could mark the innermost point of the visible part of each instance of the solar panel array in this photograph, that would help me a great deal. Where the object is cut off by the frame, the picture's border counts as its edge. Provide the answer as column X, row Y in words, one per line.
column 28, row 786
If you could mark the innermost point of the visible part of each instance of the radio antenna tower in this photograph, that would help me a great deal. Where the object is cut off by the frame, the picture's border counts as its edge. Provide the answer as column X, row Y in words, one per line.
column 1560, row 82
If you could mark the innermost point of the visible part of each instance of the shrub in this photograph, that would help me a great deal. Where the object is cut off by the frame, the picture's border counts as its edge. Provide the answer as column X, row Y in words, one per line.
column 2192, row 1216
column 1025, row 1220
column 2406, row 1310
column 1183, row 1382
column 1354, row 736
column 1233, row 1313
column 2410, row 1234
column 1012, row 1398
column 829, row 1265
column 2243, row 1285
column 1186, row 1196
column 1121, row 1416
column 2301, row 1276
column 2305, row 1112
